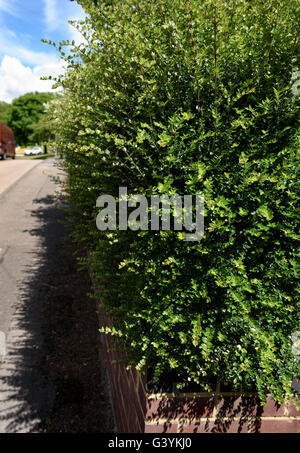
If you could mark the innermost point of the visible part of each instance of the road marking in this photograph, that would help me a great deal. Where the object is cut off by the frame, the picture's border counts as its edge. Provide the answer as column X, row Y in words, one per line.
column 2, row 345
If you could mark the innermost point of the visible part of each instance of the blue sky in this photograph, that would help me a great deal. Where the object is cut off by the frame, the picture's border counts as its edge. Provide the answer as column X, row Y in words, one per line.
column 23, row 57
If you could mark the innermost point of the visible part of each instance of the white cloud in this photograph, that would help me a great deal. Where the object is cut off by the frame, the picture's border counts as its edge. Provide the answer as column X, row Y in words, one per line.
column 17, row 79
column 50, row 12
column 7, row 7
column 21, row 66
column 33, row 58
column 11, row 45
column 56, row 18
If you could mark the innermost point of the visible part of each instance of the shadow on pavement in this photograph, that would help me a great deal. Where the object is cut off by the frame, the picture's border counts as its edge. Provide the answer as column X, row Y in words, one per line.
column 28, row 394
column 42, row 388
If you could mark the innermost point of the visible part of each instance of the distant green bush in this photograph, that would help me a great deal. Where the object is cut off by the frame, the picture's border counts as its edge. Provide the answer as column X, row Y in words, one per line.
column 192, row 97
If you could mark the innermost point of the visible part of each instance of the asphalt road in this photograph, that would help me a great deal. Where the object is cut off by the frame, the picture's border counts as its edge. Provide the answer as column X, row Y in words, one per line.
column 29, row 225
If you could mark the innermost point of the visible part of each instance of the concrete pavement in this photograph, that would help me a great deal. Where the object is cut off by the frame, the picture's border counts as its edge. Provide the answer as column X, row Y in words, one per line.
column 12, row 170
column 29, row 229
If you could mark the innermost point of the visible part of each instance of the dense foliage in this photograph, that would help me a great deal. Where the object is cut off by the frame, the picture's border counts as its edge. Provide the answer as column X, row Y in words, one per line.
column 44, row 128
column 24, row 113
column 4, row 108
column 192, row 97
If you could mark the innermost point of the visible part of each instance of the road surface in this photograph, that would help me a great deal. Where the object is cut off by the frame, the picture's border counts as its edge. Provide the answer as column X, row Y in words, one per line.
column 28, row 227
column 12, row 170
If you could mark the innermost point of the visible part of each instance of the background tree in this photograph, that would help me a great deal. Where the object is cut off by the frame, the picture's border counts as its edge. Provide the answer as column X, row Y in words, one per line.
column 4, row 110
column 44, row 131
column 24, row 113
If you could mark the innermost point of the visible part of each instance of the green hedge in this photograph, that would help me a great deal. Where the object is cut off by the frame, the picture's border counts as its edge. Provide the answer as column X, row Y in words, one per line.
column 192, row 97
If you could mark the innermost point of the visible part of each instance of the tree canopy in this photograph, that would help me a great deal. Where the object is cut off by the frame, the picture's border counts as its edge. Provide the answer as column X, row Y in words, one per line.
column 24, row 113
column 4, row 109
